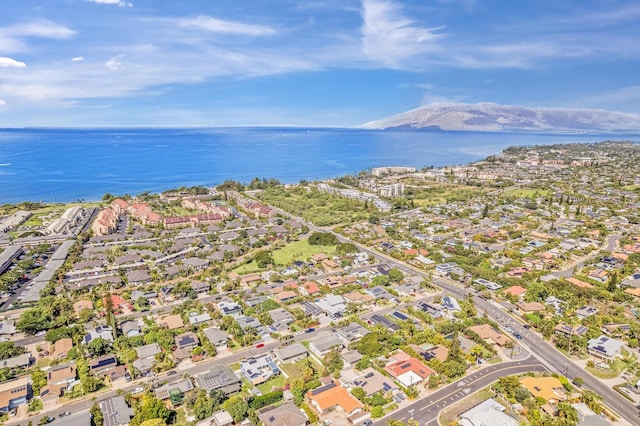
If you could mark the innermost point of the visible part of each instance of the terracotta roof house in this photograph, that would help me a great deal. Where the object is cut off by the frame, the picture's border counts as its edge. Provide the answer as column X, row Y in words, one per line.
column 530, row 307
column 333, row 395
column 548, row 388
column 578, row 283
column 407, row 370
column 82, row 304
column 491, row 335
column 515, row 291
column 62, row 347
column 171, row 321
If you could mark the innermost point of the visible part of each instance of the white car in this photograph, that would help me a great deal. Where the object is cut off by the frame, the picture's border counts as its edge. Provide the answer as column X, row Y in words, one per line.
column 138, row 390
column 508, row 329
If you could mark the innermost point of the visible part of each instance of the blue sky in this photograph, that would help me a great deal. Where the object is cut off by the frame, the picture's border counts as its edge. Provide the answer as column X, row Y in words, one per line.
column 307, row 63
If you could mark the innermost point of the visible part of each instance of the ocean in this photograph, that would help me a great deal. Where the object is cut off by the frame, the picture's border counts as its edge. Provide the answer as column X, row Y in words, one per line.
column 62, row 165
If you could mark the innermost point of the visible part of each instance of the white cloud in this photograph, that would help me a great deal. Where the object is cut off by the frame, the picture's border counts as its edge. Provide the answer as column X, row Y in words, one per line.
column 3, row 102
column 10, row 63
column 390, row 37
column 77, row 59
column 115, row 2
column 214, row 25
column 114, row 63
column 38, row 28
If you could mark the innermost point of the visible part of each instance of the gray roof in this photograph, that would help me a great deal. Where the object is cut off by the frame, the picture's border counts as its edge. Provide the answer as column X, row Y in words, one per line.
column 291, row 351
column 148, row 351
column 215, row 335
column 115, row 411
column 220, row 377
column 325, row 341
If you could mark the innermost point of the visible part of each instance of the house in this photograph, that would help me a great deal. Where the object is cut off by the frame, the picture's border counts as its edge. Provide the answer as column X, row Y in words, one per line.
column 548, row 388
column 200, row 287
column 99, row 366
column 429, row 352
column 219, row 418
column 433, row 310
column 578, row 283
column 605, row 348
column 284, row 415
column 116, row 411
column 291, row 353
column 217, row 337
column 220, row 377
column 586, row 311
column 515, row 291
column 489, row 334
column 60, row 379
column 259, row 370
column 285, row 296
column 567, row 330
column 195, row 263
column 351, row 333
column 530, row 307
column 195, row 319
column 333, row 395
column 311, row 309
column 146, row 358
column 490, row 285
column 598, row 275
column 174, row 391
column 615, row 328
column 488, row 412
column 102, row 332
column 231, row 309
column 138, row 277
column 14, row 393
column 18, row 361
column 82, row 304
column 185, row 342
column 369, row 379
column 130, row 328
column 406, row 369
column 324, row 343
column 171, row 321
column 451, row 305
column 62, row 347
column 309, row 289
column 378, row 319
column 379, row 292
column 281, row 318
column 248, row 322
column 333, row 305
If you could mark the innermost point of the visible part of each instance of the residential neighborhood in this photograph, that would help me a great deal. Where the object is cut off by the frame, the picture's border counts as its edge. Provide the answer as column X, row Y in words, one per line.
column 354, row 301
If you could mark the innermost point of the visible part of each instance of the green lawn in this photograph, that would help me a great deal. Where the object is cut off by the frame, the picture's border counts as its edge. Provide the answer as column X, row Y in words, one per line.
column 298, row 250
column 278, row 382
column 526, row 192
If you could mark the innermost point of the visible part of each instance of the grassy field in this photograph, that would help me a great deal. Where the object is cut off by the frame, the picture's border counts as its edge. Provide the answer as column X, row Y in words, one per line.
column 58, row 209
column 526, row 192
column 298, row 250
column 278, row 382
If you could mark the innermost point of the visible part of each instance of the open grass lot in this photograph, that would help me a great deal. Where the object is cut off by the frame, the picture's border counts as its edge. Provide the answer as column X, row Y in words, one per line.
column 55, row 210
column 314, row 206
column 278, row 382
column 298, row 250
column 526, row 192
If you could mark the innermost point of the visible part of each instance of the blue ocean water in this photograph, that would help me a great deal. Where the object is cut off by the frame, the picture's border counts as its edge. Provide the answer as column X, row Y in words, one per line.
column 71, row 164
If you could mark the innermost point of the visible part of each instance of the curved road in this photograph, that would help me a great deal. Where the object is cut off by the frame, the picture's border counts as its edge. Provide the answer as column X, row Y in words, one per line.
column 427, row 409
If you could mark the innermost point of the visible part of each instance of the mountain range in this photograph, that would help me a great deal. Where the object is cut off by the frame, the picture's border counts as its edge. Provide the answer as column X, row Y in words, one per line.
column 490, row 117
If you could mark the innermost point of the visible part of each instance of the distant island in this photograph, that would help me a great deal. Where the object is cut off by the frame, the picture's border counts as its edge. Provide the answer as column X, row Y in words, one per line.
column 490, row 117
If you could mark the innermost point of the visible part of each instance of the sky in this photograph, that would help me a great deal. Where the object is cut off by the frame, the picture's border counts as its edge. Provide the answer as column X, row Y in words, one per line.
column 82, row 63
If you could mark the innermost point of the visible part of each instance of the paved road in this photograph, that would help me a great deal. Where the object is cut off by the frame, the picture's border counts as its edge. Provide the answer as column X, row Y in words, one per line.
column 610, row 245
column 427, row 409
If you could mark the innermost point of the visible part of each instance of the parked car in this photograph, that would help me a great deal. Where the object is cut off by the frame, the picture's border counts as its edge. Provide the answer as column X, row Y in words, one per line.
column 517, row 336
column 310, row 330
column 260, row 345
column 64, row 414
column 171, row 372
